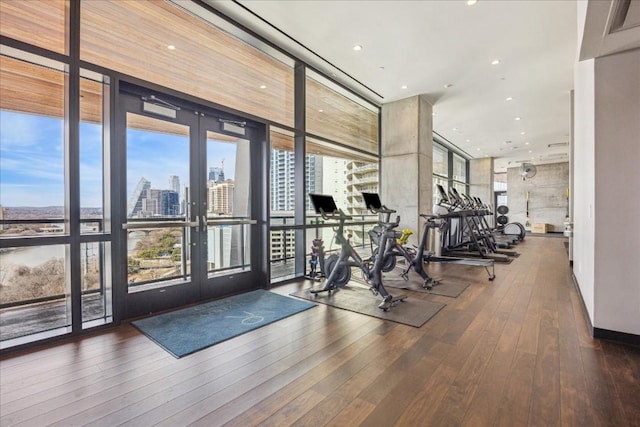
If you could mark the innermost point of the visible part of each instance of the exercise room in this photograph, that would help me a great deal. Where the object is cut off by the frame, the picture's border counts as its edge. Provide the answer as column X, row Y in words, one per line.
column 377, row 213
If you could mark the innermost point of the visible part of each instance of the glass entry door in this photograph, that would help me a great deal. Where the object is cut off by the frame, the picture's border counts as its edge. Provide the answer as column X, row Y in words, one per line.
column 188, row 221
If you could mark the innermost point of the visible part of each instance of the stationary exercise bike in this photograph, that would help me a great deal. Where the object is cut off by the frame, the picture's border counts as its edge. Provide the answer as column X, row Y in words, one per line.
column 414, row 258
column 338, row 267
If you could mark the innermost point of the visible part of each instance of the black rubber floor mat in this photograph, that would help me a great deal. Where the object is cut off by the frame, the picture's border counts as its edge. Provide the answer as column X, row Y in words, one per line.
column 414, row 311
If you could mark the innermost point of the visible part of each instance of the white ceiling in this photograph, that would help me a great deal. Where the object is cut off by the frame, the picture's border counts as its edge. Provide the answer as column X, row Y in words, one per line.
column 426, row 45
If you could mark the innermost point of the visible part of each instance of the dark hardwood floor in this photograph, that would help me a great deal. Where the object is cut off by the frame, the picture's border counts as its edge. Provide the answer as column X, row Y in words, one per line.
column 512, row 352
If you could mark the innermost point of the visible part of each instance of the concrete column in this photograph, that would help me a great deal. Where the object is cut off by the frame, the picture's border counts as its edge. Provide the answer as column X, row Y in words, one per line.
column 407, row 160
column 481, row 181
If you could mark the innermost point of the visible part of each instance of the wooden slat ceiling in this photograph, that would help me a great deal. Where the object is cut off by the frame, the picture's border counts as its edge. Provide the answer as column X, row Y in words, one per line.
column 207, row 62
column 315, row 146
column 31, row 89
column 41, row 23
column 336, row 117
column 132, row 36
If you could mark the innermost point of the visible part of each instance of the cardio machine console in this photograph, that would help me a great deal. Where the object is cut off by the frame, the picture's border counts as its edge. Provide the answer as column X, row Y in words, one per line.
column 323, row 203
column 373, row 203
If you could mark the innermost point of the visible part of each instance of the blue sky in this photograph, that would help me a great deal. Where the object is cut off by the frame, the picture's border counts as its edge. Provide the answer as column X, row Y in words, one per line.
column 32, row 160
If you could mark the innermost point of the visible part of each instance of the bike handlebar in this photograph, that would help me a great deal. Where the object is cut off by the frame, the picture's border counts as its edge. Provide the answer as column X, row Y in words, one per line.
column 382, row 210
column 339, row 215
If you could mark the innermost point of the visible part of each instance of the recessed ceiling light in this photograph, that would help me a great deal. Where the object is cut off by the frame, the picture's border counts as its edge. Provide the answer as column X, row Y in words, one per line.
column 171, row 47
column 522, row 133
column 478, row 149
column 263, row 86
column 509, row 98
column 448, row 85
column 403, row 87
column 455, row 129
column 526, row 143
column 530, row 151
column 495, row 62
column 468, row 140
column 320, row 111
column 518, row 118
column 357, row 47
column 471, row 2
column 433, row 114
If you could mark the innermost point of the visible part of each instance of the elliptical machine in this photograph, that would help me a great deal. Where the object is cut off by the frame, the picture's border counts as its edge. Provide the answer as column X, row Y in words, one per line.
column 414, row 258
column 338, row 267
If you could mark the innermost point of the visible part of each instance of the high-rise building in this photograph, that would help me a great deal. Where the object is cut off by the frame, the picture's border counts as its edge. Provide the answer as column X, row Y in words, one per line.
column 313, row 176
column 360, row 177
column 343, row 179
column 216, row 174
column 174, row 183
column 283, row 182
column 148, row 202
column 151, row 204
column 169, row 203
column 220, row 197
column 283, row 179
column 134, row 206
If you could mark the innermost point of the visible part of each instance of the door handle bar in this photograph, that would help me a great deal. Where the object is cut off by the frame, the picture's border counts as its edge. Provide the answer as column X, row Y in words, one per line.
column 158, row 224
column 215, row 222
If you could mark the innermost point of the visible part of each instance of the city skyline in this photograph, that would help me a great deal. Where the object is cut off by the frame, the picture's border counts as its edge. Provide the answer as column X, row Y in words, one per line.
column 32, row 160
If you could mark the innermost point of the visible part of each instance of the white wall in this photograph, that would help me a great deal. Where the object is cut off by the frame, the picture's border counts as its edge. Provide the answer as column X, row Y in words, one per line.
column 617, row 192
column 547, row 195
column 584, row 182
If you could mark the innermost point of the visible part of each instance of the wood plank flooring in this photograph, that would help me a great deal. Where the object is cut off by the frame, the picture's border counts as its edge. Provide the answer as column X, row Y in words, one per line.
column 512, row 352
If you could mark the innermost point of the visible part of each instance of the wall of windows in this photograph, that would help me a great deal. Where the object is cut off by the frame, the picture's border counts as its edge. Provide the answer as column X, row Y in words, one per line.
column 459, row 173
column 61, row 64
column 54, row 237
column 450, row 170
column 282, row 199
column 339, row 140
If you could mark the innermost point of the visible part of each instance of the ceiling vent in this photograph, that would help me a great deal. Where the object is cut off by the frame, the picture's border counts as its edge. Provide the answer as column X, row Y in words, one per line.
column 626, row 14
column 558, row 144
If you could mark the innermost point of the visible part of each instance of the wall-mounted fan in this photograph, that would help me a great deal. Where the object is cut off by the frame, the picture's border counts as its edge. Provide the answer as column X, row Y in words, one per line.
column 527, row 170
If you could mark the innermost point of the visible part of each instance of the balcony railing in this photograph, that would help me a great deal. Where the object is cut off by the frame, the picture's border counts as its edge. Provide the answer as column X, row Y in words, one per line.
column 283, row 265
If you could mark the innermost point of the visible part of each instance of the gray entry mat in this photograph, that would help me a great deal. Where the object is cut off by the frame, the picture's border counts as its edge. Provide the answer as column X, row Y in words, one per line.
column 413, row 311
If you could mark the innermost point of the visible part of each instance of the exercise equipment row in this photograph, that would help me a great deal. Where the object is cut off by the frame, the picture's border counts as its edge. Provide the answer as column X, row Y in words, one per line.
column 338, row 267
column 467, row 231
column 390, row 245
column 415, row 257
